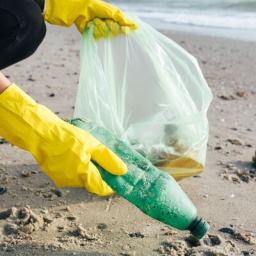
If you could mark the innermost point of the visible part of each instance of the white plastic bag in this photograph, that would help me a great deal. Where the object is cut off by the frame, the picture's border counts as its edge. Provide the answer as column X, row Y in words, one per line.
column 150, row 92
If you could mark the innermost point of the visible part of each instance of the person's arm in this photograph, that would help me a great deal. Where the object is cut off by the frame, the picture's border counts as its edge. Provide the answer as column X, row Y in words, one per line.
column 64, row 152
column 4, row 82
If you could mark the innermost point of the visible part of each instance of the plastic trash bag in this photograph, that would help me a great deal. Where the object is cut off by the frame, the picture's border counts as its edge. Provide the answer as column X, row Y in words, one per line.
column 150, row 93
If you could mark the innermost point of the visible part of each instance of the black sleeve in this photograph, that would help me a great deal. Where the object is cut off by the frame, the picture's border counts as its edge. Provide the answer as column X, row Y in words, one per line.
column 41, row 4
column 22, row 29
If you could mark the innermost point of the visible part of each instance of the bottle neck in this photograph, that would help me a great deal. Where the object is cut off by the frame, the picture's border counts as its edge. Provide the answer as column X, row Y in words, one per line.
column 199, row 227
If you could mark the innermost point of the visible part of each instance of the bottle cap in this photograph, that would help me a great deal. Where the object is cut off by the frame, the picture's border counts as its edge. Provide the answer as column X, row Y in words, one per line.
column 199, row 228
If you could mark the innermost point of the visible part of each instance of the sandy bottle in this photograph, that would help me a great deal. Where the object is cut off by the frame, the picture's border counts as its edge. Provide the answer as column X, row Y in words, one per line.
column 154, row 192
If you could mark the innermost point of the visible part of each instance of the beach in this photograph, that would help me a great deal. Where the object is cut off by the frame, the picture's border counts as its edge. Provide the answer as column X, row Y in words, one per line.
column 37, row 218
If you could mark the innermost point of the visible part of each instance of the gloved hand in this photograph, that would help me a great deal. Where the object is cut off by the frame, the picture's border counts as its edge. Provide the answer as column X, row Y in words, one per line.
column 107, row 28
column 62, row 150
column 80, row 12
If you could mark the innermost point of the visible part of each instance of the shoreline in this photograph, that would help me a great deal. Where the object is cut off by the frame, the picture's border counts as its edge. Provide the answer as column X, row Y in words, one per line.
column 234, row 34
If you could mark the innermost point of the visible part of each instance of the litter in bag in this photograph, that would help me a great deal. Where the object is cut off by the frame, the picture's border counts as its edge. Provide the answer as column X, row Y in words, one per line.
column 149, row 92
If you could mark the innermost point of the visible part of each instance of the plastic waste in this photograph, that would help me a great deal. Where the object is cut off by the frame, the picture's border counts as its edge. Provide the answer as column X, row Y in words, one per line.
column 149, row 92
column 154, row 192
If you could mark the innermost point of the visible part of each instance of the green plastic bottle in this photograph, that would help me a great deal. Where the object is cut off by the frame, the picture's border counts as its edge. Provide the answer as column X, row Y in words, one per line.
column 154, row 192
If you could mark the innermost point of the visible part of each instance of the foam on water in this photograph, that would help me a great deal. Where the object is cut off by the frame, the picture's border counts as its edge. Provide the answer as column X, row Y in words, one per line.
column 236, row 17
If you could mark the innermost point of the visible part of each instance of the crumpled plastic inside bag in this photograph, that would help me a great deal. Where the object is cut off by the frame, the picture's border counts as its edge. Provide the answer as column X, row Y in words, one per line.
column 149, row 92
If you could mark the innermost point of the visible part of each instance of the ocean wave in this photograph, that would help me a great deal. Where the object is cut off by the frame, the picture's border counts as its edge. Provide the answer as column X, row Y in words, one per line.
column 249, row 6
column 242, row 21
column 231, row 14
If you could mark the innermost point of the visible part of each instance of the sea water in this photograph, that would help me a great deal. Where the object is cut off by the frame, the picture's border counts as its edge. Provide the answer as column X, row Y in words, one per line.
column 226, row 18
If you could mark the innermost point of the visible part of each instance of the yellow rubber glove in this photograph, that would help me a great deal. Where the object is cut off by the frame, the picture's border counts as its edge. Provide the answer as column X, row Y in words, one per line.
column 62, row 150
column 80, row 12
column 107, row 28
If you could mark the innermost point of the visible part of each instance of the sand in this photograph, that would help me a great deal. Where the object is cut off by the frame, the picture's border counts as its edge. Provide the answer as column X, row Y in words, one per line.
column 37, row 218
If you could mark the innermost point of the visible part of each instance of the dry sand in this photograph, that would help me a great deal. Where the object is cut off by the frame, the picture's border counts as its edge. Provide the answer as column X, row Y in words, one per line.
column 36, row 218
